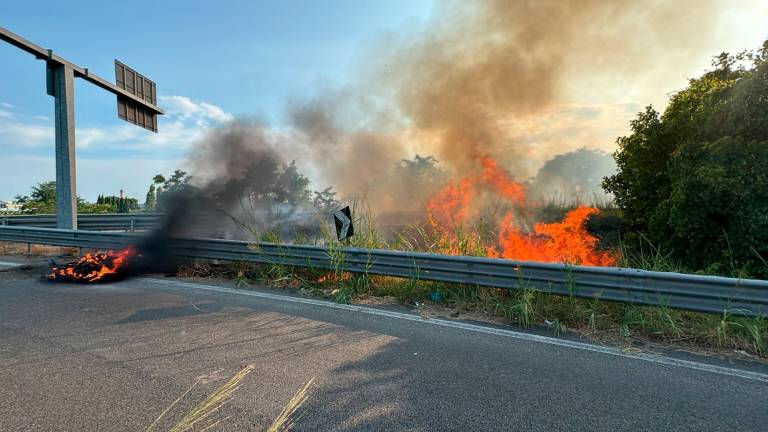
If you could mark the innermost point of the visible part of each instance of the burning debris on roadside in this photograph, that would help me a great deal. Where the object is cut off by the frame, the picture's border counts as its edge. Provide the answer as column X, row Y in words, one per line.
column 230, row 160
column 95, row 267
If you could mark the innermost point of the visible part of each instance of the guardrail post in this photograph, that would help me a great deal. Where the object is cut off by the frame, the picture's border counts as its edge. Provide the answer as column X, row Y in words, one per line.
column 133, row 223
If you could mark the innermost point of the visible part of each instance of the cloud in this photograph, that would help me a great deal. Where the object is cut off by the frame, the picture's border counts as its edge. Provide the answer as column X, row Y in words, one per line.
column 202, row 113
column 186, row 121
column 110, row 158
column 16, row 133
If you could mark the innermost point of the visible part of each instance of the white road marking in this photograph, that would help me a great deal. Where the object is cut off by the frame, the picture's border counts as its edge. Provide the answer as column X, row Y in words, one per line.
column 669, row 361
column 10, row 264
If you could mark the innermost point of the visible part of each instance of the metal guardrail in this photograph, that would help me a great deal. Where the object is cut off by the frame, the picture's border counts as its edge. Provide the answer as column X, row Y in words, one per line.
column 91, row 222
column 714, row 294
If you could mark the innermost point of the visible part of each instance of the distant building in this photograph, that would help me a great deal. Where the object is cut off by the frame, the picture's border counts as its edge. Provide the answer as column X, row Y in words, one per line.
column 9, row 207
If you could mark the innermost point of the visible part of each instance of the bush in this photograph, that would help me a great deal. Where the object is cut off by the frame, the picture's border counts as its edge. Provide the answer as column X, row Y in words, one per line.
column 694, row 180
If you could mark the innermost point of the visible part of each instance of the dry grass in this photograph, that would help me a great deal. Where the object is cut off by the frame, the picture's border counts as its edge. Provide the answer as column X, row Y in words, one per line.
column 204, row 409
column 10, row 248
column 199, row 416
column 287, row 418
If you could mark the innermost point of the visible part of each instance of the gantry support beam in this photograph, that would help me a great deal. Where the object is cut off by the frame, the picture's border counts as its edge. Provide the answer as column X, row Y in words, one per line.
column 60, row 84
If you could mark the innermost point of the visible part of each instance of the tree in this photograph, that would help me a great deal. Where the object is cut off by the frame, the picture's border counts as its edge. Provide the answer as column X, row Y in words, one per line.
column 577, row 173
column 290, row 186
column 423, row 167
column 177, row 183
column 178, row 180
column 42, row 199
column 694, row 180
column 44, row 192
column 325, row 200
column 641, row 180
column 151, row 199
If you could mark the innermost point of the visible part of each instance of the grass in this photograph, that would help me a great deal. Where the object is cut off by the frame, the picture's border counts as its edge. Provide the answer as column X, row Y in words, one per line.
column 525, row 307
column 12, row 248
column 200, row 416
column 203, row 410
column 287, row 418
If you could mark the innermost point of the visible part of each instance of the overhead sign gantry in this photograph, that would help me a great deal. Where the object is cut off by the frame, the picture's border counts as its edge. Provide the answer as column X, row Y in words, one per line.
column 136, row 103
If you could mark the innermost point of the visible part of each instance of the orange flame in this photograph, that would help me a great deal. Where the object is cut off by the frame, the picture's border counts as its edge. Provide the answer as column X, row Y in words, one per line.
column 93, row 267
column 502, row 181
column 567, row 241
column 451, row 205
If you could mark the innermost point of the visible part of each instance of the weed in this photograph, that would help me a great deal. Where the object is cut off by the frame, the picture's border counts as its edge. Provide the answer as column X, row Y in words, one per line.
column 757, row 334
column 204, row 409
column 556, row 327
column 287, row 418
column 647, row 256
column 524, row 298
column 661, row 321
column 593, row 312
column 632, row 318
column 240, row 280
column 755, row 330
column 723, row 328
column 345, row 294
column 198, row 416
column 527, row 305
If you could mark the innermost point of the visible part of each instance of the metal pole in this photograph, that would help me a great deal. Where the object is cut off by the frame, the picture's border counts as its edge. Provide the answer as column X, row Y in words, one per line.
column 66, row 181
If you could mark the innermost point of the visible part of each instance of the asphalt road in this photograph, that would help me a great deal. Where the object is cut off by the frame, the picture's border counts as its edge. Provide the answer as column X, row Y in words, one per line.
column 112, row 357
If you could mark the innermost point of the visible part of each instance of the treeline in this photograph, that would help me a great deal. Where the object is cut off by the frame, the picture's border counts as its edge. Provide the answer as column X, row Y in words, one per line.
column 42, row 200
column 120, row 205
column 286, row 186
column 692, row 182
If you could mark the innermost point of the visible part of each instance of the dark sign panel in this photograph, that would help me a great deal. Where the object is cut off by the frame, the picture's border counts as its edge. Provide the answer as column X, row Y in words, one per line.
column 137, row 84
column 343, row 221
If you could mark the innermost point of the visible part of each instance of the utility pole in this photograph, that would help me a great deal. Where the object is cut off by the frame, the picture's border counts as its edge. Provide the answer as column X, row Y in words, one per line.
column 136, row 103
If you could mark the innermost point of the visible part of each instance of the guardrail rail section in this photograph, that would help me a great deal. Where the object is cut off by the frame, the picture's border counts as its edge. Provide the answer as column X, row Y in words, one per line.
column 90, row 222
column 714, row 294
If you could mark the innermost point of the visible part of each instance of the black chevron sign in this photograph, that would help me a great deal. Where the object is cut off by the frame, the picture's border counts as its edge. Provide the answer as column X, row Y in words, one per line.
column 343, row 220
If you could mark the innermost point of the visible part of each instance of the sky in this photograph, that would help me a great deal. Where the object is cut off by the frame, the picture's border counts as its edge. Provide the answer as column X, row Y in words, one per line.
column 244, row 58
column 248, row 59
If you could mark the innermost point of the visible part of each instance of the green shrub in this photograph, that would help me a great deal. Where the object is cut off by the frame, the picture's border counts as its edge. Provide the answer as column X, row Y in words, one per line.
column 694, row 181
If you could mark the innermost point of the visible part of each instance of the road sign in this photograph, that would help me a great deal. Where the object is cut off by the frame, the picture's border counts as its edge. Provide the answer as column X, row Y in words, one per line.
column 136, row 84
column 137, row 95
column 343, row 221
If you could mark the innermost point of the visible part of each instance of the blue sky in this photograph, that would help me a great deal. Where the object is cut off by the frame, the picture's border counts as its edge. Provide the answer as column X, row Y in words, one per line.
column 210, row 63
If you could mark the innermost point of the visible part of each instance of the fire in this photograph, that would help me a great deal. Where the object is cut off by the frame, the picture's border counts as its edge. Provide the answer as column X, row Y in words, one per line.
column 567, row 241
column 451, row 205
column 95, row 267
column 502, row 181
